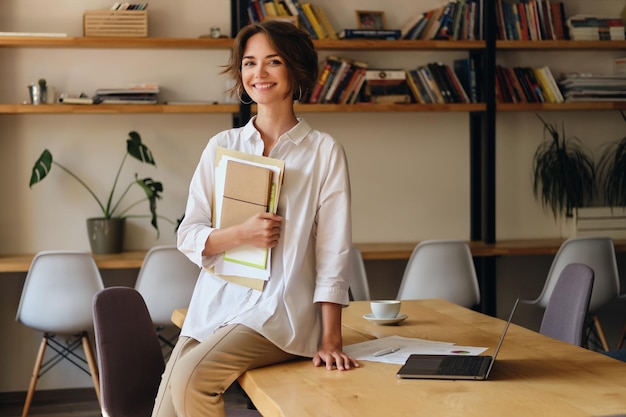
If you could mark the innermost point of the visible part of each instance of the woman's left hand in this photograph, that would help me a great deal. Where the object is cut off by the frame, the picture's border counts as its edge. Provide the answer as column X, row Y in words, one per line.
column 334, row 358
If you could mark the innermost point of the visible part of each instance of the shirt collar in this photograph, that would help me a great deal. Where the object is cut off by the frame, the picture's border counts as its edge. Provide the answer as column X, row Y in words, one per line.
column 296, row 134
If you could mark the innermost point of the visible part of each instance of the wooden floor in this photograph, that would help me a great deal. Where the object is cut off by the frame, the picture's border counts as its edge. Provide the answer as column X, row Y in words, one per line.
column 81, row 403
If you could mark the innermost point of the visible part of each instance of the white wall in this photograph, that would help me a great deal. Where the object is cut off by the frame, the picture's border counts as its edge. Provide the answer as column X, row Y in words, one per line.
column 410, row 171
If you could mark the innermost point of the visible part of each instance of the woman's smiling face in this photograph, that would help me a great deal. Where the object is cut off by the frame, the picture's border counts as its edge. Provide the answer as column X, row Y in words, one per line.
column 264, row 74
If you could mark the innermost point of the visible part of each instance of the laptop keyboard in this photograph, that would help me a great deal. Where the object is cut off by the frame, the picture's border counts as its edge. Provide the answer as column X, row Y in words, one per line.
column 460, row 365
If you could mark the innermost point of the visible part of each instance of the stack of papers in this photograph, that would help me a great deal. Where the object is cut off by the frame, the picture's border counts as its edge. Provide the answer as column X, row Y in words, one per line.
column 397, row 349
column 139, row 94
column 245, row 184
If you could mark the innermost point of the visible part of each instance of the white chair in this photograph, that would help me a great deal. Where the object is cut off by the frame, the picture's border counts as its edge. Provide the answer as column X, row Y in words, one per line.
column 166, row 281
column 599, row 254
column 56, row 300
column 359, row 285
column 441, row 269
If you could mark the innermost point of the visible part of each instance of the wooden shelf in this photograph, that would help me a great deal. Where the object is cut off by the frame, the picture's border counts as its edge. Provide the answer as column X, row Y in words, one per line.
column 225, row 43
column 117, row 108
column 397, row 45
column 365, row 108
column 370, row 252
column 559, row 45
column 569, row 106
column 114, row 42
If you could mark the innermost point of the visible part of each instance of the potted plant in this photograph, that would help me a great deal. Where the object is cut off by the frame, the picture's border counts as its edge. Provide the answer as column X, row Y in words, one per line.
column 612, row 172
column 564, row 174
column 111, row 224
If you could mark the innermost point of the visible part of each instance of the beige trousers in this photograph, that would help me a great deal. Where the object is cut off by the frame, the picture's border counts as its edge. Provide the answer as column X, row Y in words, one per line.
column 198, row 373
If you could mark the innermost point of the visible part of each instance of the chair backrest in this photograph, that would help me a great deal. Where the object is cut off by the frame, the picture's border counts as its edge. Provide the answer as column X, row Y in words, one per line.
column 441, row 269
column 596, row 252
column 166, row 281
column 129, row 353
column 564, row 317
column 359, row 285
column 57, row 293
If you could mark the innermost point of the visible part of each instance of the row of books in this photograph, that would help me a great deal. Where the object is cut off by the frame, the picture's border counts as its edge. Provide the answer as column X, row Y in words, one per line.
column 311, row 18
column 526, row 85
column 534, row 20
column 340, row 81
column 593, row 87
column 456, row 20
column 584, row 27
column 347, row 81
column 437, row 83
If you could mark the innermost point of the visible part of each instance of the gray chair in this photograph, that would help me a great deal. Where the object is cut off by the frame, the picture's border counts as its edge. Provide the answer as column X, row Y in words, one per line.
column 564, row 317
column 129, row 355
column 166, row 281
column 441, row 269
column 56, row 300
column 359, row 285
column 599, row 254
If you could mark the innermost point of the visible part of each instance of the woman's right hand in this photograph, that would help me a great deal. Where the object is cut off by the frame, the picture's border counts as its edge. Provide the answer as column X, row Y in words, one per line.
column 262, row 230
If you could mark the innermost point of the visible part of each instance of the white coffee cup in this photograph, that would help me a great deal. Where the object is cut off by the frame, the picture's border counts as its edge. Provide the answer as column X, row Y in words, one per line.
column 385, row 309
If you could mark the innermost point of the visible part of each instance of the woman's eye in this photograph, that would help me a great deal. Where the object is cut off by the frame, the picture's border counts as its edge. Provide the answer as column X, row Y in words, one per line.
column 248, row 64
column 275, row 62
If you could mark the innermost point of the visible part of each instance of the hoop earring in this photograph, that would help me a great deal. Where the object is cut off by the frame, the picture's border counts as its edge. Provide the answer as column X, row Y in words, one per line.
column 300, row 94
column 241, row 99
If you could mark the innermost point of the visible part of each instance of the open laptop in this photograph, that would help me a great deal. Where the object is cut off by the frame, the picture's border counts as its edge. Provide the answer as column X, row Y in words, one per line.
column 475, row 367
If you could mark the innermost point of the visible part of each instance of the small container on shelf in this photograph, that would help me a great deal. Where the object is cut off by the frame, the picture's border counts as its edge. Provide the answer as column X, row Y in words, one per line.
column 120, row 23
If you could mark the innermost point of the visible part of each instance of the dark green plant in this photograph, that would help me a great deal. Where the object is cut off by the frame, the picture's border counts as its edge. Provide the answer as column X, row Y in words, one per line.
column 564, row 174
column 152, row 189
column 612, row 172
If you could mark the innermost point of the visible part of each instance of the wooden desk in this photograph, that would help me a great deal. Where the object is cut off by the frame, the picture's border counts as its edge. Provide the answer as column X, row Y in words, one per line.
column 533, row 375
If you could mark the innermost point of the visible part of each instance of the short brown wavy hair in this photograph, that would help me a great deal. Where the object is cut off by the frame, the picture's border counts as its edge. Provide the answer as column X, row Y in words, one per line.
column 293, row 45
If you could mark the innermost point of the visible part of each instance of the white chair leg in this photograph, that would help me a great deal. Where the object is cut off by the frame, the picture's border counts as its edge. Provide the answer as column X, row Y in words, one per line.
column 34, row 377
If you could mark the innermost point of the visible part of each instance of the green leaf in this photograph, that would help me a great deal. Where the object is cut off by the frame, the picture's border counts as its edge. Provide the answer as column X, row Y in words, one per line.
column 138, row 150
column 153, row 190
column 41, row 168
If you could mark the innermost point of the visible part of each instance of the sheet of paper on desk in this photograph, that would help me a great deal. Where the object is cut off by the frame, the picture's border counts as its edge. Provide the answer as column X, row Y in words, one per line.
column 407, row 345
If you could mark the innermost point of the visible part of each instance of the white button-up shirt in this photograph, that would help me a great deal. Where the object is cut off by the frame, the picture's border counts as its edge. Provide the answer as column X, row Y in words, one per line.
column 309, row 265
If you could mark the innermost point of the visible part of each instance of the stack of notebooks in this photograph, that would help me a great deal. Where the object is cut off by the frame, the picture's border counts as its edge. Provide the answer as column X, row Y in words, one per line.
column 584, row 27
column 140, row 94
column 593, row 87
column 245, row 185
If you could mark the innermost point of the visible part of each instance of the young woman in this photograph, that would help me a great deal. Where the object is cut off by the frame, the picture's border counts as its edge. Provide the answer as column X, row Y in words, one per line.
column 230, row 328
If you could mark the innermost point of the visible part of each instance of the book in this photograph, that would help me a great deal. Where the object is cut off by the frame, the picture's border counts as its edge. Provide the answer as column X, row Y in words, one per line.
column 389, row 34
column 351, row 88
column 435, row 70
column 444, row 32
column 418, row 29
column 310, row 15
column 329, row 65
column 385, row 82
column 461, row 94
column 409, row 25
column 553, row 85
column 466, row 73
column 433, row 21
column 302, row 17
column 339, row 76
column 325, row 22
column 430, row 84
column 414, row 85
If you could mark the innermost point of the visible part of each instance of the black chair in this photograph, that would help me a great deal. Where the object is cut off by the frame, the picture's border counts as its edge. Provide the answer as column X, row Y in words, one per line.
column 564, row 317
column 129, row 354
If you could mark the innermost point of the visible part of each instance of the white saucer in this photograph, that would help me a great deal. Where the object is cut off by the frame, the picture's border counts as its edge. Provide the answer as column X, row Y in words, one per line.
column 370, row 317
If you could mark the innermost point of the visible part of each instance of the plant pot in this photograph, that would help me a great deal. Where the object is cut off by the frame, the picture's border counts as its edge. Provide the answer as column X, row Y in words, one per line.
column 106, row 235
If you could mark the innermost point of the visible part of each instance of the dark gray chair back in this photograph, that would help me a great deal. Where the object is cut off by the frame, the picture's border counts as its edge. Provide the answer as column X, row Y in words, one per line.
column 564, row 317
column 129, row 353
